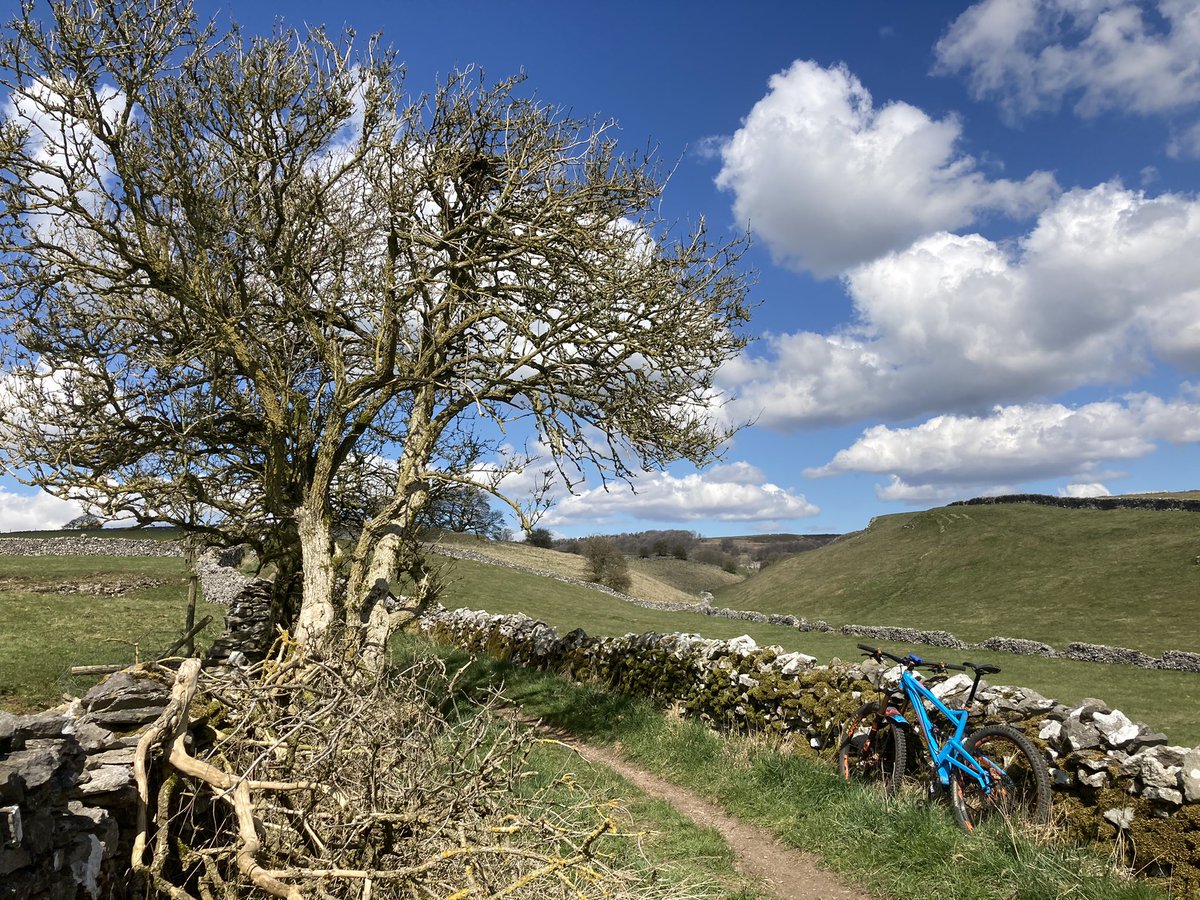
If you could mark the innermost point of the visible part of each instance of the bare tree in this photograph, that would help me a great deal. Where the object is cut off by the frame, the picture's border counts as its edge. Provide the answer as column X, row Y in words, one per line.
column 241, row 276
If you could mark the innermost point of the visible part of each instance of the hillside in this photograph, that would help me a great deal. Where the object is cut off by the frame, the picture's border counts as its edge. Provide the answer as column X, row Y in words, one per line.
column 660, row 580
column 1123, row 577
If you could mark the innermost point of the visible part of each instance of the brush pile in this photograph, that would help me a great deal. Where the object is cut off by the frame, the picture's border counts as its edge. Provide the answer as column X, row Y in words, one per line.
column 305, row 779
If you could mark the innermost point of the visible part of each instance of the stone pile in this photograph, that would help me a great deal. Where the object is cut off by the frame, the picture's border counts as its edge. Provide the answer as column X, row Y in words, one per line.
column 248, row 631
column 67, row 796
column 219, row 577
column 1114, row 778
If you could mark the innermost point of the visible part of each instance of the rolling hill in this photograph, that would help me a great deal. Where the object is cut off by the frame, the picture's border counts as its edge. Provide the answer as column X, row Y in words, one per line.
column 1124, row 577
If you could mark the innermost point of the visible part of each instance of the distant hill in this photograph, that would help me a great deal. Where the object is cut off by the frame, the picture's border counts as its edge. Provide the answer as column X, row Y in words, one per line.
column 1123, row 577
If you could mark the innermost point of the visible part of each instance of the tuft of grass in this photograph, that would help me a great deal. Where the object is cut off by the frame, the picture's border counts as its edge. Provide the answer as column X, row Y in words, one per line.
column 902, row 847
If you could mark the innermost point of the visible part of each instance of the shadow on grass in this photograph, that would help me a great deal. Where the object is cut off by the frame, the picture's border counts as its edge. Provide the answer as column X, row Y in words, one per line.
column 586, row 711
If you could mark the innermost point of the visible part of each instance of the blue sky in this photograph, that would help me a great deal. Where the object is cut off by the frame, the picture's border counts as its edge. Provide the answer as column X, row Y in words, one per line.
column 976, row 234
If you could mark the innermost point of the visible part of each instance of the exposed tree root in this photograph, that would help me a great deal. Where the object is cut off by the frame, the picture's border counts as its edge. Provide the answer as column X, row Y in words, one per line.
column 307, row 780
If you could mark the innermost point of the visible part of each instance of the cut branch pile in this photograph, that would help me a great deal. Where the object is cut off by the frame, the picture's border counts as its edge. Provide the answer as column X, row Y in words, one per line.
column 310, row 781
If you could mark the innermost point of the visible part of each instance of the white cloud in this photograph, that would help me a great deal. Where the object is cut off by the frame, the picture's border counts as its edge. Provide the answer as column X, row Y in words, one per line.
column 1093, row 489
column 1107, row 281
column 1185, row 144
column 737, row 492
column 34, row 512
column 1030, row 55
column 1016, row 443
column 830, row 181
column 900, row 491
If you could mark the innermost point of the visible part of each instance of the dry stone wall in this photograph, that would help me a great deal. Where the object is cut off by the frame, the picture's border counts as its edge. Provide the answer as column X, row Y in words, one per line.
column 1116, row 781
column 86, row 545
column 1160, row 504
column 68, row 803
column 1179, row 660
column 67, row 798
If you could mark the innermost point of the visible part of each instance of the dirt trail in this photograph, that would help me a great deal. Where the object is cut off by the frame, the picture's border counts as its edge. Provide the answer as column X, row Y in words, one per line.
column 788, row 873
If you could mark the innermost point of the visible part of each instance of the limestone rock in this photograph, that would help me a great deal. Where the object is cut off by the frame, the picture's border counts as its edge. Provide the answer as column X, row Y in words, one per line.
column 1080, row 735
column 1163, row 795
column 106, row 780
column 1190, row 776
column 1050, row 731
column 1116, row 727
column 1122, row 817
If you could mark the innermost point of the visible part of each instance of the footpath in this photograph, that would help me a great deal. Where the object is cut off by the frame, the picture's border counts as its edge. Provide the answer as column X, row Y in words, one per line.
column 787, row 873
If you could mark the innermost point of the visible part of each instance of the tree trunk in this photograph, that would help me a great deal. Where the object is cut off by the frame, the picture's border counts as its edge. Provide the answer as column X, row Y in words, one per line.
column 317, row 610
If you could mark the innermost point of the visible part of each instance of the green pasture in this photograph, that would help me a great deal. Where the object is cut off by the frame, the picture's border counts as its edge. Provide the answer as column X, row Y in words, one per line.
column 43, row 634
column 1127, row 578
column 1166, row 700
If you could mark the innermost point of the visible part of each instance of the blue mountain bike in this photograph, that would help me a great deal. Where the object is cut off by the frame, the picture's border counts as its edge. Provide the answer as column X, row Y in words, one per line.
column 994, row 770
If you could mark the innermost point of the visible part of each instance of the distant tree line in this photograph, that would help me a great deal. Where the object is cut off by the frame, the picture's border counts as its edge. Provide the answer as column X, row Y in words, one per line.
column 728, row 553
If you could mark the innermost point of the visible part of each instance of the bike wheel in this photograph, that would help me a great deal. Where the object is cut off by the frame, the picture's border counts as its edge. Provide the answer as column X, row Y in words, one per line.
column 873, row 748
column 1020, row 781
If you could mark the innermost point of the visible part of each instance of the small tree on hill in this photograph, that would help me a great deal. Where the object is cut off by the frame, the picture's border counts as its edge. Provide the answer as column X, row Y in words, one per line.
column 83, row 522
column 540, row 537
column 464, row 510
column 606, row 564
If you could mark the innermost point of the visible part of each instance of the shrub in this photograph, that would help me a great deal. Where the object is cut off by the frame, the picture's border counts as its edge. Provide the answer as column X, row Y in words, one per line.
column 606, row 564
column 540, row 537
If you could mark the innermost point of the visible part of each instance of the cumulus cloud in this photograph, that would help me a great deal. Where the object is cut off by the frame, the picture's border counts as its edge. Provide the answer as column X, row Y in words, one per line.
column 830, row 181
column 1106, row 282
column 1094, row 489
column 738, row 492
column 34, row 512
column 1032, row 55
column 1016, row 443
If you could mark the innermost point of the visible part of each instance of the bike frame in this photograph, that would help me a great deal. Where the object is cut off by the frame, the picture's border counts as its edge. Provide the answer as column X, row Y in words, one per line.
column 951, row 754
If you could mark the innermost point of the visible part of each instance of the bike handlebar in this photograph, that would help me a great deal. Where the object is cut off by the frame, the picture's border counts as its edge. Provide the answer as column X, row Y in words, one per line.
column 986, row 669
column 914, row 661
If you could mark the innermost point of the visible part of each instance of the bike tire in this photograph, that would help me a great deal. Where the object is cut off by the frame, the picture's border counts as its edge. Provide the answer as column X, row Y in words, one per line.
column 873, row 748
column 1021, row 789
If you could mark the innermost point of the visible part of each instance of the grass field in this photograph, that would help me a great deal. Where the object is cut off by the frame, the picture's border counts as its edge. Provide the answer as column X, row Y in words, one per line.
column 1119, row 577
column 903, row 849
column 43, row 634
column 1166, row 700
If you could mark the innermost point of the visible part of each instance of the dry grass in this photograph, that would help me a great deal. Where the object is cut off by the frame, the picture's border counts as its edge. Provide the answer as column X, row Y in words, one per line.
column 655, row 580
